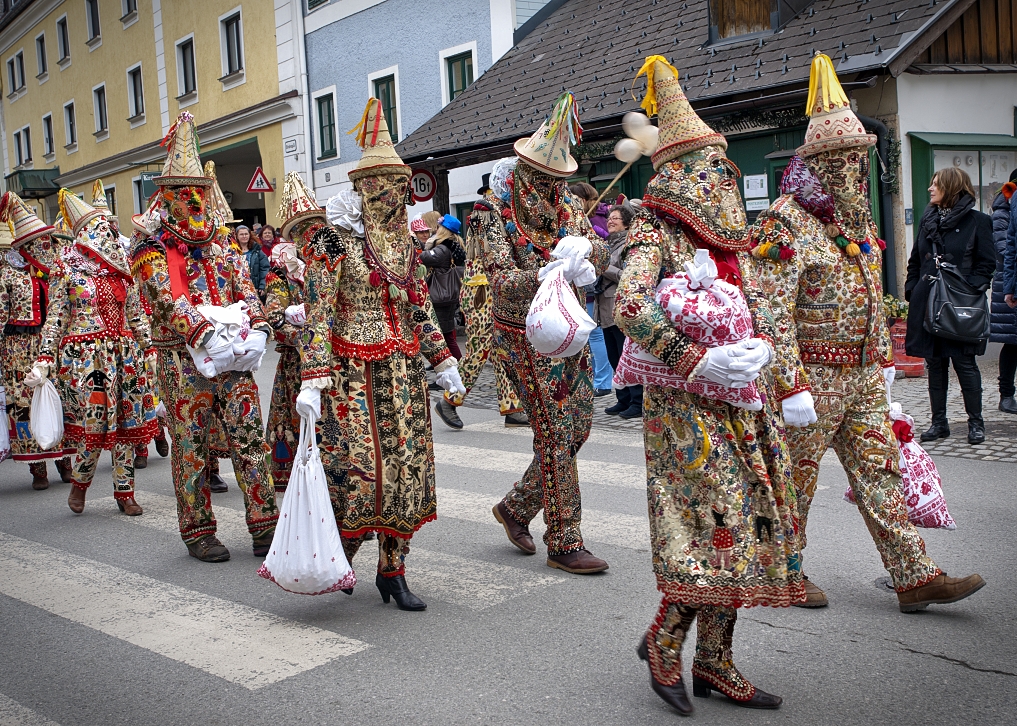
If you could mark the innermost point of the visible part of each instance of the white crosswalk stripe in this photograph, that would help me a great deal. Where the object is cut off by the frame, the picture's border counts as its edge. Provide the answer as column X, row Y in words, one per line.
column 240, row 644
column 13, row 713
column 597, row 437
column 444, row 577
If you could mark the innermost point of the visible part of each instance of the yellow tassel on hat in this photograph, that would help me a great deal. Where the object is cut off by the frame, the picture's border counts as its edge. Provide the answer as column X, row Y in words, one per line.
column 649, row 103
column 823, row 82
column 361, row 128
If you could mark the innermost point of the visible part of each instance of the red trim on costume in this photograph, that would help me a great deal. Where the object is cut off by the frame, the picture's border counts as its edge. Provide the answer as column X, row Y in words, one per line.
column 101, row 335
column 792, row 391
column 44, row 456
column 177, row 264
column 774, row 596
column 122, row 496
column 924, row 582
column 374, row 351
column 45, row 359
column 75, row 433
column 311, row 373
column 348, row 582
column 199, row 332
column 824, row 352
column 389, row 531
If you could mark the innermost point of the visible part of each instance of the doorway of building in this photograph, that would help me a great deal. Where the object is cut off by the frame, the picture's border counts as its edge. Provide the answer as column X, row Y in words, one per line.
column 234, row 166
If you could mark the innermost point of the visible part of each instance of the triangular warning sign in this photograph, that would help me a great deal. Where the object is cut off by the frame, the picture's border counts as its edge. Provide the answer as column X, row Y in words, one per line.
column 259, row 183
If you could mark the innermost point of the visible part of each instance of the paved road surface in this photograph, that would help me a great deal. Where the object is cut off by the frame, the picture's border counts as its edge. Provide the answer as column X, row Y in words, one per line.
column 106, row 620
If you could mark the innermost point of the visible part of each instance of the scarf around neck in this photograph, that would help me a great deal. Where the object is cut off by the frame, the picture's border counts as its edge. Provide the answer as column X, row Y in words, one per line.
column 935, row 219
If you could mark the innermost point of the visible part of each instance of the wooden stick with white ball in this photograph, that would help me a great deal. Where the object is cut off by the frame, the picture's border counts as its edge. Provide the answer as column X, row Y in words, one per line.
column 641, row 140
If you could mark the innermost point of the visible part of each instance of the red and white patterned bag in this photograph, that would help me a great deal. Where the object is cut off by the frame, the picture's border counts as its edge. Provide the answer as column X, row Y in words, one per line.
column 923, row 489
column 711, row 312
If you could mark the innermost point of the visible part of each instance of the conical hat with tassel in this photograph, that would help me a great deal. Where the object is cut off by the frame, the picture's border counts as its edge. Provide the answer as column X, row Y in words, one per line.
column 297, row 203
column 101, row 201
column 183, row 161
column 103, row 247
column 373, row 137
column 218, row 200
column 833, row 125
column 25, row 224
column 681, row 129
column 548, row 149
column 6, row 236
column 76, row 211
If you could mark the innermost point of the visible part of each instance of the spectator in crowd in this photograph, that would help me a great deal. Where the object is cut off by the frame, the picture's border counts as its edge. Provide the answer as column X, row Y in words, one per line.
column 268, row 238
column 597, row 213
column 630, row 398
column 257, row 260
column 954, row 229
column 1004, row 286
column 444, row 257
column 420, row 231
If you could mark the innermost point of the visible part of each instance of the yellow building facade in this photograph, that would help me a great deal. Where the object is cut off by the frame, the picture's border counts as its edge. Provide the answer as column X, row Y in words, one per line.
column 90, row 88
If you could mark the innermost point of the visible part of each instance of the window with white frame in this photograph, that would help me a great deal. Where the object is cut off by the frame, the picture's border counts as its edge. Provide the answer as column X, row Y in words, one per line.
column 99, row 106
column 187, row 83
column 12, row 77
column 384, row 86
column 48, row 144
column 457, row 68
column 324, row 110
column 128, row 6
column 135, row 93
column 139, row 195
column 92, row 20
column 19, row 155
column 42, row 63
column 23, row 146
column 231, row 34
column 111, row 199
column 70, row 125
column 63, row 41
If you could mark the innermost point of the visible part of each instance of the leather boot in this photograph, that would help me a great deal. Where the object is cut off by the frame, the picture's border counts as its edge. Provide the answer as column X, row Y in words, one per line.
column 666, row 636
column 390, row 587
column 40, row 479
column 517, row 420
column 64, row 467
column 973, row 408
column 714, row 670
column 448, row 414
column 162, row 446
column 1008, row 404
column 518, row 534
column 217, row 484
column 76, row 499
column 939, row 429
column 263, row 543
column 130, row 507
column 208, row 549
column 941, row 591
column 814, row 597
column 580, row 562
column 141, row 462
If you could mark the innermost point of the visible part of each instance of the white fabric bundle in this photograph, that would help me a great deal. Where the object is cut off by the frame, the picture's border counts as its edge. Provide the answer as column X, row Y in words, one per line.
column 46, row 417
column 557, row 325
column 234, row 346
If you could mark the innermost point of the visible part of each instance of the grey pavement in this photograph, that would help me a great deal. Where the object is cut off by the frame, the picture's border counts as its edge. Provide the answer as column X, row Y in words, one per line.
column 106, row 620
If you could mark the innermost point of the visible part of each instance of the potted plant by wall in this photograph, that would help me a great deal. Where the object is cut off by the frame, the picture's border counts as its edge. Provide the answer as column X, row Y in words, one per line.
column 897, row 321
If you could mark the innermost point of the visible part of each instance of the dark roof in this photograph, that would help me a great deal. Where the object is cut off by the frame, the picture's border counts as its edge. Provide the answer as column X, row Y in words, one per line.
column 594, row 48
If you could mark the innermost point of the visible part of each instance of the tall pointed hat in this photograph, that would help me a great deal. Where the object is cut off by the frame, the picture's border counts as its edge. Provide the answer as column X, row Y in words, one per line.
column 832, row 125
column 183, row 161
column 25, row 225
column 681, row 129
column 373, row 137
column 99, row 200
column 217, row 200
column 548, row 148
column 103, row 247
column 6, row 236
column 297, row 203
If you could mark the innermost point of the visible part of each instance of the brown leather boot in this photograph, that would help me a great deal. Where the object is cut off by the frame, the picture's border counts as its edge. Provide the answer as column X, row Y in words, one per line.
column 814, row 597
column 130, row 507
column 40, row 480
column 162, row 446
column 580, row 562
column 518, row 534
column 141, row 462
column 76, row 499
column 64, row 467
column 940, row 591
column 209, row 549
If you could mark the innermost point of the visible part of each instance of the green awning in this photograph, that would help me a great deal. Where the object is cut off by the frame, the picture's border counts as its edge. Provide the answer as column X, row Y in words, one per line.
column 966, row 141
column 33, row 183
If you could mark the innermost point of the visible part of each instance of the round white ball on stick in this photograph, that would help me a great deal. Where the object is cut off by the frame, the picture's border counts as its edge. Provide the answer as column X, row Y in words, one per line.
column 647, row 137
column 627, row 150
column 633, row 121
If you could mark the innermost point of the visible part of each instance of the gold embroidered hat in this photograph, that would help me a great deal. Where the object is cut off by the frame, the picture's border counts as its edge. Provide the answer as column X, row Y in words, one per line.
column 99, row 242
column 220, row 207
column 76, row 211
column 99, row 200
column 25, row 225
column 183, row 161
column 832, row 124
column 297, row 203
column 373, row 137
column 681, row 129
column 548, row 148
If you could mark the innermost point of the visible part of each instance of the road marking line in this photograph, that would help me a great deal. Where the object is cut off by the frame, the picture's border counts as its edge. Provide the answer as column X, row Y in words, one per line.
column 445, row 577
column 240, row 644
column 13, row 713
column 597, row 436
column 627, row 476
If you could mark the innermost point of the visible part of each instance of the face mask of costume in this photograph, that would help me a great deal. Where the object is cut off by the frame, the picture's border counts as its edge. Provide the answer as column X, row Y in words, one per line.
column 845, row 174
column 183, row 212
column 385, row 224
column 535, row 198
column 98, row 241
column 700, row 191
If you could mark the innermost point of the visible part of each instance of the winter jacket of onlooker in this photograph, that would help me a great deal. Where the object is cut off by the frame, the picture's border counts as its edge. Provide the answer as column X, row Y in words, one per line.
column 598, row 220
column 257, row 263
column 603, row 311
column 1010, row 251
column 1004, row 318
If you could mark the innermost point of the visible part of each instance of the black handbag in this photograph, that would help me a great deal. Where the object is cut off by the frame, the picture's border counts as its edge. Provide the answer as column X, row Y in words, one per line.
column 444, row 285
column 956, row 310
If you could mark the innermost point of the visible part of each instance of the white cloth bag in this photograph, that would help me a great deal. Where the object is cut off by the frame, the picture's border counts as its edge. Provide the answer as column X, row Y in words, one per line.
column 557, row 325
column 5, row 434
column 46, row 418
column 307, row 555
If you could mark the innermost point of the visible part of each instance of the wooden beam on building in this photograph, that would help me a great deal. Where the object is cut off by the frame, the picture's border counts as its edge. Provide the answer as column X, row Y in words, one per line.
column 927, row 35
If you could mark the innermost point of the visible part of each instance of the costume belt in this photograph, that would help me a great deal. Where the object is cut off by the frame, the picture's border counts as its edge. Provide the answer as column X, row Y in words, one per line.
column 826, row 352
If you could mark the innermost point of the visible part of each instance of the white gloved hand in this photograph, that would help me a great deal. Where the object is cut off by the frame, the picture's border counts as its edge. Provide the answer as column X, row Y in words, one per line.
column 309, row 403
column 254, row 351
column 295, row 315
column 152, row 366
column 799, row 410
column 585, row 274
column 449, row 380
column 731, row 365
column 219, row 351
column 889, row 374
column 37, row 376
column 551, row 266
column 758, row 350
column 572, row 247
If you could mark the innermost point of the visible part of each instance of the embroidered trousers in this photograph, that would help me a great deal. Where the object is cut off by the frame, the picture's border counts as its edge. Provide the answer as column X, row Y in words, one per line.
column 557, row 395
column 854, row 419
column 191, row 400
column 86, row 460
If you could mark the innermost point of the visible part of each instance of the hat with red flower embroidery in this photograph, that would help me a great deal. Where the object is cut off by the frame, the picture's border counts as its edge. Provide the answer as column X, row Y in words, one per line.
column 24, row 224
column 298, row 203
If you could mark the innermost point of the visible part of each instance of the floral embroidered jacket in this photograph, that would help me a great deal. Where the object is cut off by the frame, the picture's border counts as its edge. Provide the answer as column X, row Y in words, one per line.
column 512, row 268
column 83, row 307
column 280, row 293
column 348, row 317
column 654, row 249
column 22, row 300
column 828, row 306
column 215, row 275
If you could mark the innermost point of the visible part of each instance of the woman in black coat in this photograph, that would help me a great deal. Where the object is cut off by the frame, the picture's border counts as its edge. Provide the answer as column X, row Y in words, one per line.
column 1004, row 317
column 962, row 236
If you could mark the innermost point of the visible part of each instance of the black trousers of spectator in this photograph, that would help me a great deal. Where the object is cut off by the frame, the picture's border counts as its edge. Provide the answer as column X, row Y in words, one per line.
column 970, row 379
column 614, row 340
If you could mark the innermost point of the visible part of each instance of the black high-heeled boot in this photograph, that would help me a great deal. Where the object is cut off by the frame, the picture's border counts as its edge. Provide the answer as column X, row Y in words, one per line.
column 390, row 587
column 675, row 695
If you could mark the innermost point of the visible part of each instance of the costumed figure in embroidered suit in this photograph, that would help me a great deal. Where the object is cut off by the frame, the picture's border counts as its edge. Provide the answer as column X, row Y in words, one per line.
column 97, row 341
column 287, row 313
column 518, row 236
column 475, row 302
column 369, row 319
column 720, row 495
column 820, row 262
column 186, row 263
column 24, row 295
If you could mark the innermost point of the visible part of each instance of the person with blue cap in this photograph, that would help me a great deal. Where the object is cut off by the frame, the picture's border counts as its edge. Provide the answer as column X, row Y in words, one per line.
column 444, row 257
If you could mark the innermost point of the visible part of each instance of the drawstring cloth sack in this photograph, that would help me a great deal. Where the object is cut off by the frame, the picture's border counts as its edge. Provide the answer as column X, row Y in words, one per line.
column 307, row 555
column 557, row 325
column 46, row 417
column 711, row 312
column 923, row 489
